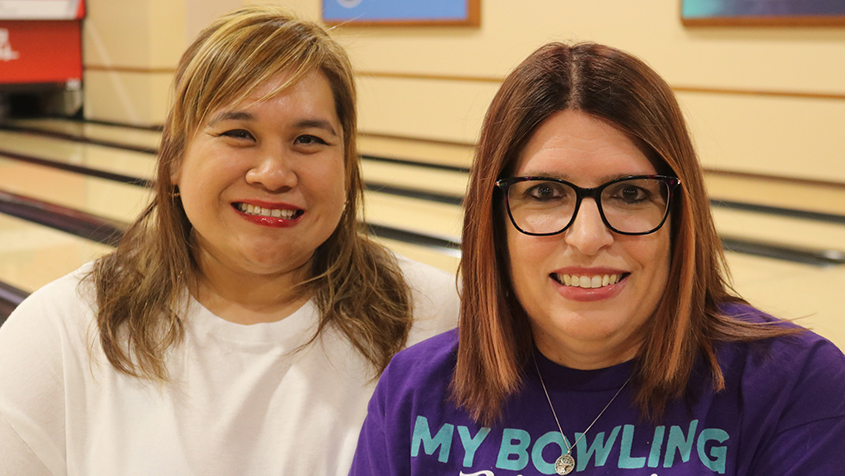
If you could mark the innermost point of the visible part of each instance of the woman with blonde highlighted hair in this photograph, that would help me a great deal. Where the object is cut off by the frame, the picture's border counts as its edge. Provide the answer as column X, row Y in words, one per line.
column 598, row 330
column 241, row 323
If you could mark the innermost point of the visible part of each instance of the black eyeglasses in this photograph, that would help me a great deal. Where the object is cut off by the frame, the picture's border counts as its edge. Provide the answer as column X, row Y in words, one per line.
column 635, row 205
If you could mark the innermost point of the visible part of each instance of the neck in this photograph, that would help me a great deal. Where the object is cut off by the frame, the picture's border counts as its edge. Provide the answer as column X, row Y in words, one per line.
column 586, row 355
column 248, row 298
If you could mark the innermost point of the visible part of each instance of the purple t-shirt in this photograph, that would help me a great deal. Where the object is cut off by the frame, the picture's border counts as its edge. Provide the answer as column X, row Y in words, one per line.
column 782, row 413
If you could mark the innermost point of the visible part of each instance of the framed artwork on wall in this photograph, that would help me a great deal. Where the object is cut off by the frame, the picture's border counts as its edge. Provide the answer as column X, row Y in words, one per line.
column 763, row 12
column 402, row 12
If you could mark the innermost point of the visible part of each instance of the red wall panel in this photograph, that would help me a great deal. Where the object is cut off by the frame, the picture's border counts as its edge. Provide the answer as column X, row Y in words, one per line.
column 40, row 51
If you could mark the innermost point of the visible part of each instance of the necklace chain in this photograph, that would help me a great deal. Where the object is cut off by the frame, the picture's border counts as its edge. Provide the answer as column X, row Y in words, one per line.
column 566, row 463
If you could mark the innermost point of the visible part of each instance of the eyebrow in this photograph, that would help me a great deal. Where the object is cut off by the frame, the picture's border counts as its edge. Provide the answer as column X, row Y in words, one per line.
column 569, row 178
column 231, row 116
column 316, row 123
column 247, row 116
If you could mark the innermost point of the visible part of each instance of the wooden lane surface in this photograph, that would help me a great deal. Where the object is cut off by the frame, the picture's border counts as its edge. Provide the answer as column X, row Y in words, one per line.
column 826, row 198
column 97, row 196
column 33, row 255
column 742, row 224
column 422, row 216
column 786, row 289
column 137, row 137
column 95, row 156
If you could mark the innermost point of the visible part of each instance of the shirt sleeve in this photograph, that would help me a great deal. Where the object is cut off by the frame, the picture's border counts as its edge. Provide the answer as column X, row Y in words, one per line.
column 809, row 434
column 33, row 343
column 814, row 448
column 435, row 296
column 382, row 449
column 17, row 457
column 371, row 454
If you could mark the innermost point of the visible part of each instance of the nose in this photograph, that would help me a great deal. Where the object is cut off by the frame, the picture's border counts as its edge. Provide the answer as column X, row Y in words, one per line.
column 588, row 234
column 273, row 170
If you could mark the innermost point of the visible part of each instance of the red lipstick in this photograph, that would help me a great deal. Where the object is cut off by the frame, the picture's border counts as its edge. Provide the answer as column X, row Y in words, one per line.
column 271, row 214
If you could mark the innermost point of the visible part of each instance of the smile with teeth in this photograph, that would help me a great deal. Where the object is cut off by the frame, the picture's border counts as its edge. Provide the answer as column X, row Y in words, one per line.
column 267, row 212
column 586, row 282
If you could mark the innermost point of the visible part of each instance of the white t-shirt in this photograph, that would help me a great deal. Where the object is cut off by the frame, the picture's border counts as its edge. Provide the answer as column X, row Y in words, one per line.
column 241, row 401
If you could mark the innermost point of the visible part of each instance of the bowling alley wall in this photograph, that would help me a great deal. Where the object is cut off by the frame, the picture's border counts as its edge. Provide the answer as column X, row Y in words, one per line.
column 762, row 100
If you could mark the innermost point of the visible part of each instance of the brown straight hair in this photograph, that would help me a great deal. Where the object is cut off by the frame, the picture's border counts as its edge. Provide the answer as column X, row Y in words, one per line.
column 140, row 288
column 496, row 340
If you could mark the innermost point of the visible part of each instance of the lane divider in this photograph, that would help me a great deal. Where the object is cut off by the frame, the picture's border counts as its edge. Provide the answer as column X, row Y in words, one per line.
column 78, row 169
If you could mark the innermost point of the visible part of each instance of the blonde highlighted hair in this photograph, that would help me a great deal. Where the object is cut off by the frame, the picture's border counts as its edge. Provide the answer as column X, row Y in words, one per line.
column 356, row 284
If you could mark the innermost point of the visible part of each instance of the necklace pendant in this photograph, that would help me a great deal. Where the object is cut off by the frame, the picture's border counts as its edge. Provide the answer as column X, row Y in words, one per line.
column 565, row 464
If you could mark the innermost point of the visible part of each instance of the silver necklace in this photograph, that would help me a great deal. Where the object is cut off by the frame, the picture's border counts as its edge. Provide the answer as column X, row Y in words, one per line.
column 566, row 462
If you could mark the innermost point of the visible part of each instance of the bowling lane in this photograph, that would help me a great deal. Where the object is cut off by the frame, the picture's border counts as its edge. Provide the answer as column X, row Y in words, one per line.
column 123, row 202
column 430, row 152
column 795, row 195
column 731, row 222
column 97, row 196
column 112, row 133
column 432, row 180
column 773, row 192
column 783, row 231
column 98, row 157
column 438, row 181
column 33, row 255
column 784, row 288
column 429, row 218
column 810, row 294
column 433, row 256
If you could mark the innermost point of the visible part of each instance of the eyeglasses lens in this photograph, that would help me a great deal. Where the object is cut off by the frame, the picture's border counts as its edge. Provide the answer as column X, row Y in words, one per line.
column 629, row 206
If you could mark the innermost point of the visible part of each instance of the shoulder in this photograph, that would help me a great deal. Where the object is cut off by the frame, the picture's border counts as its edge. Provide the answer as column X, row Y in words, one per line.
column 415, row 383
column 426, row 279
column 787, row 351
column 435, row 298
column 785, row 394
column 796, row 375
column 69, row 296
column 53, row 322
column 47, row 331
column 44, row 358
column 431, row 355
column 427, row 365
column 790, row 352
column 419, row 376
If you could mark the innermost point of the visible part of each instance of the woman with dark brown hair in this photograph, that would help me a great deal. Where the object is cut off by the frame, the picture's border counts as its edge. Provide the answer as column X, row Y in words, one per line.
column 598, row 330
column 241, row 323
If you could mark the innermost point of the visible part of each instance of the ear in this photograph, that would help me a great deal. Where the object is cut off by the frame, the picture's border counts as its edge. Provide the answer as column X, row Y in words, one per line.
column 175, row 172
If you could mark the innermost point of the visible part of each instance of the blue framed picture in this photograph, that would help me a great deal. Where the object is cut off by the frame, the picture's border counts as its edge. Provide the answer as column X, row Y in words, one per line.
column 763, row 12
column 402, row 12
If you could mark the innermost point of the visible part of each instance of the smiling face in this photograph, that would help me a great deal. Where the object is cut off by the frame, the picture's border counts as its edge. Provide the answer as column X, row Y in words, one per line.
column 598, row 324
column 263, row 182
